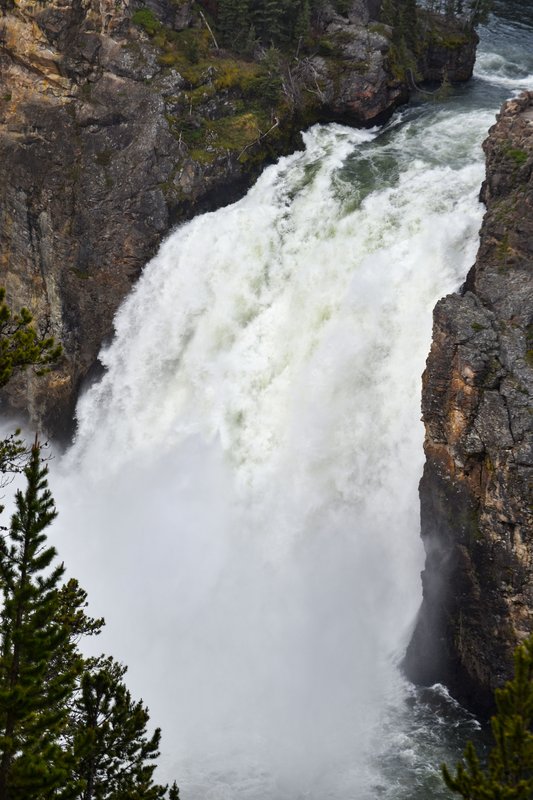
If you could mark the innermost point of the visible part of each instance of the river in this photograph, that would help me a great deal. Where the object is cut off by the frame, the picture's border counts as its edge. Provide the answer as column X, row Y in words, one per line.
column 241, row 498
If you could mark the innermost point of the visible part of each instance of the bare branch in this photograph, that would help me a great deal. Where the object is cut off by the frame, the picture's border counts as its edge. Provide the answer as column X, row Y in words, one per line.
column 207, row 25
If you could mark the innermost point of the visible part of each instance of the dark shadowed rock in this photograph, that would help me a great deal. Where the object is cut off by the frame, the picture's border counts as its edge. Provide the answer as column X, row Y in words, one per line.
column 477, row 489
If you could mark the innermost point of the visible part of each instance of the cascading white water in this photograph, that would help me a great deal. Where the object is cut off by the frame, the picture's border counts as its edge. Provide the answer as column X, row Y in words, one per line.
column 253, row 452
column 241, row 499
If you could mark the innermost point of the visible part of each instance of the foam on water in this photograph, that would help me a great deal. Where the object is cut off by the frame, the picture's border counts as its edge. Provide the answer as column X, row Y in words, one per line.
column 241, row 499
column 496, row 69
column 246, row 469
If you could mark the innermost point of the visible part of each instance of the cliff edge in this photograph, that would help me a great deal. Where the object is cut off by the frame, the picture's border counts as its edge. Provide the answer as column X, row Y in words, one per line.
column 477, row 487
column 119, row 120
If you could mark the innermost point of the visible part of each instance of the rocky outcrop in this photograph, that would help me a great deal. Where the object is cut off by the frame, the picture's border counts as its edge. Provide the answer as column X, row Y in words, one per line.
column 444, row 53
column 117, row 122
column 477, row 488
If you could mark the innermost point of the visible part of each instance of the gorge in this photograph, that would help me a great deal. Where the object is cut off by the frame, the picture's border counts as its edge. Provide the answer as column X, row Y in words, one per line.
column 241, row 496
column 109, row 136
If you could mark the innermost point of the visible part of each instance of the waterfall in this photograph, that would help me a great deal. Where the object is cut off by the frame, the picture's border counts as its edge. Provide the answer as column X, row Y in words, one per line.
column 246, row 470
column 241, row 498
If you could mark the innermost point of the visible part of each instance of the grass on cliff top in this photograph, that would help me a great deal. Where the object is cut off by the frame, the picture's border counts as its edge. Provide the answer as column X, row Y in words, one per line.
column 249, row 93
column 185, row 50
column 190, row 52
column 251, row 87
column 209, row 139
column 146, row 19
column 235, row 133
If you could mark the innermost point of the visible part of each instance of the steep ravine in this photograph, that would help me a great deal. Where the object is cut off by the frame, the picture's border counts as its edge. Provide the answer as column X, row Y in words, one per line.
column 108, row 139
column 476, row 491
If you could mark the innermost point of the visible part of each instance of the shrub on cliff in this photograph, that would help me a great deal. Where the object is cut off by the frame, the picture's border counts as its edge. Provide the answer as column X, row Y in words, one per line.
column 509, row 773
column 22, row 346
column 146, row 19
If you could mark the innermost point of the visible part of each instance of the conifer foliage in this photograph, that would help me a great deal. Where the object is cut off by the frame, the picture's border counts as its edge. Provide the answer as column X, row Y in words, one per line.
column 509, row 774
column 33, row 696
column 273, row 23
column 69, row 729
column 21, row 345
column 114, row 757
column 68, row 725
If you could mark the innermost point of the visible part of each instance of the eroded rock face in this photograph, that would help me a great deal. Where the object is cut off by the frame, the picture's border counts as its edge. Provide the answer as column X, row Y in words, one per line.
column 477, row 489
column 95, row 169
column 85, row 148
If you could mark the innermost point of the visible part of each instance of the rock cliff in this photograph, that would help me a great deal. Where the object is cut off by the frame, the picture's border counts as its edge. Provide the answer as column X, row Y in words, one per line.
column 118, row 121
column 477, row 488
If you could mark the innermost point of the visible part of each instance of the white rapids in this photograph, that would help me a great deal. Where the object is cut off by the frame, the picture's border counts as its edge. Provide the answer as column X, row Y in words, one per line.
column 241, row 498
column 246, row 470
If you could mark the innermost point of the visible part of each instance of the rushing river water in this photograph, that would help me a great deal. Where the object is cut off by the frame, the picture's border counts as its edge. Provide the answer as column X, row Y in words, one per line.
column 241, row 500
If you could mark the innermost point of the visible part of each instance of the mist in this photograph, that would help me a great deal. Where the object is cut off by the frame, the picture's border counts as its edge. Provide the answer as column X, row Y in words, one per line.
column 241, row 499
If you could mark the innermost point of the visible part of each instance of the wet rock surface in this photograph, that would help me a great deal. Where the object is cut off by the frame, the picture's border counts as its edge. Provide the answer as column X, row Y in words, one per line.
column 477, row 488
column 105, row 145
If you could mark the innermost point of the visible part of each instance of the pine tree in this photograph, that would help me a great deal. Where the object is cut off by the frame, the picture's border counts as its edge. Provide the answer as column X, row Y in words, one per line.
column 479, row 11
column 21, row 345
column 302, row 25
column 509, row 775
column 388, row 12
column 267, row 19
column 68, row 725
column 251, row 41
column 234, row 23
column 69, row 729
column 33, row 695
column 114, row 756
column 174, row 793
column 411, row 24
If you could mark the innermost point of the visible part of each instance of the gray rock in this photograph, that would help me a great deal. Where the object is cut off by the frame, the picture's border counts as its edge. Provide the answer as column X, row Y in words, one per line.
column 477, row 489
column 96, row 166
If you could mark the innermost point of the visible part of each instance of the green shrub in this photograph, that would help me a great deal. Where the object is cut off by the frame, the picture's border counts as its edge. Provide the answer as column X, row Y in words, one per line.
column 518, row 156
column 146, row 19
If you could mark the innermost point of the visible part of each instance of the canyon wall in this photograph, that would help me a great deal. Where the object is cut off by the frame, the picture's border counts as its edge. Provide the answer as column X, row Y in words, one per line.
column 477, row 488
column 117, row 122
